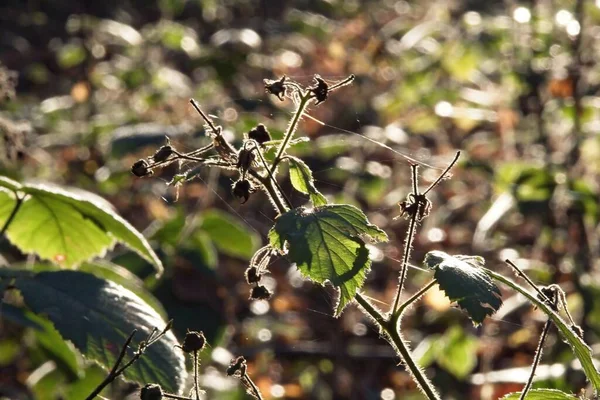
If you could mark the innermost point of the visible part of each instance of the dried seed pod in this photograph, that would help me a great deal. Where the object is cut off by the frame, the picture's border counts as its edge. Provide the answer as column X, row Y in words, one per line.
column 245, row 160
column 276, row 88
column 223, row 147
column 260, row 293
column 260, row 134
column 252, row 275
column 236, row 365
column 163, row 153
column 194, row 341
column 151, row 392
column 320, row 90
column 141, row 168
column 242, row 189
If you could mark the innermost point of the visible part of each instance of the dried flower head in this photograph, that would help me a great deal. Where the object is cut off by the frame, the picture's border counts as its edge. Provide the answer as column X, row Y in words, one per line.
column 260, row 293
column 151, row 392
column 260, row 134
column 163, row 153
column 320, row 90
column 194, row 341
column 245, row 160
column 141, row 168
column 242, row 189
column 237, row 365
column 276, row 87
column 252, row 275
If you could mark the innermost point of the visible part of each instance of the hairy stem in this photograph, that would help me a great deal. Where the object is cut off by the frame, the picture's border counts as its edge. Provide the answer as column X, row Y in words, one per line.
column 272, row 192
column 410, row 235
column 196, row 384
column 255, row 392
column 291, row 129
column 536, row 359
column 394, row 338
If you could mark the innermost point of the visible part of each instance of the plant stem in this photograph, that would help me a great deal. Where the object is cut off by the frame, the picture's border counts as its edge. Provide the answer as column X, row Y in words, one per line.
column 410, row 235
column 536, row 359
column 272, row 191
column 196, row 385
column 12, row 215
column 174, row 396
column 394, row 338
column 114, row 372
column 528, row 280
column 291, row 129
column 255, row 392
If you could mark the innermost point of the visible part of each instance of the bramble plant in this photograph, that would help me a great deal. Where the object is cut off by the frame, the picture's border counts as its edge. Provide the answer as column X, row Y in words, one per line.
column 326, row 242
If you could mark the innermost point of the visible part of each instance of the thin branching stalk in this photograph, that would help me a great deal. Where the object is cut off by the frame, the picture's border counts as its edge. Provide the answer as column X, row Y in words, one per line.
column 291, row 129
column 275, row 196
column 12, row 215
column 536, row 359
column 527, row 279
column 206, row 118
column 414, row 298
column 443, row 174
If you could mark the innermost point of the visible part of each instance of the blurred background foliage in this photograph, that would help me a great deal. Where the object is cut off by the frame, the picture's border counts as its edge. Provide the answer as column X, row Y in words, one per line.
column 87, row 88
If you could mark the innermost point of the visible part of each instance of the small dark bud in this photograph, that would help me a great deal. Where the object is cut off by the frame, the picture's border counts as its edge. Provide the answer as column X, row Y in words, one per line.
column 320, row 90
column 236, row 365
column 260, row 293
column 242, row 189
column 245, row 160
column 140, row 168
column 276, row 88
column 260, row 134
column 151, row 392
column 163, row 153
column 252, row 275
column 194, row 341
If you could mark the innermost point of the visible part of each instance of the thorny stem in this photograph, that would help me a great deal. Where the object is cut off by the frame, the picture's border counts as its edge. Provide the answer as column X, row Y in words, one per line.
column 394, row 338
column 255, row 392
column 272, row 191
column 410, row 235
column 196, row 385
column 291, row 129
column 536, row 359
column 12, row 215
column 114, row 371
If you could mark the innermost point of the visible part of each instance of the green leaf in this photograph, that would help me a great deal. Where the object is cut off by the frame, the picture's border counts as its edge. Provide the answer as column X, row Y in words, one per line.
column 581, row 350
column 541, row 394
column 302, row 181
column 326, row 245
column 465, row 282
column 67, row 227
column 230, row 235
column 97, row 316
